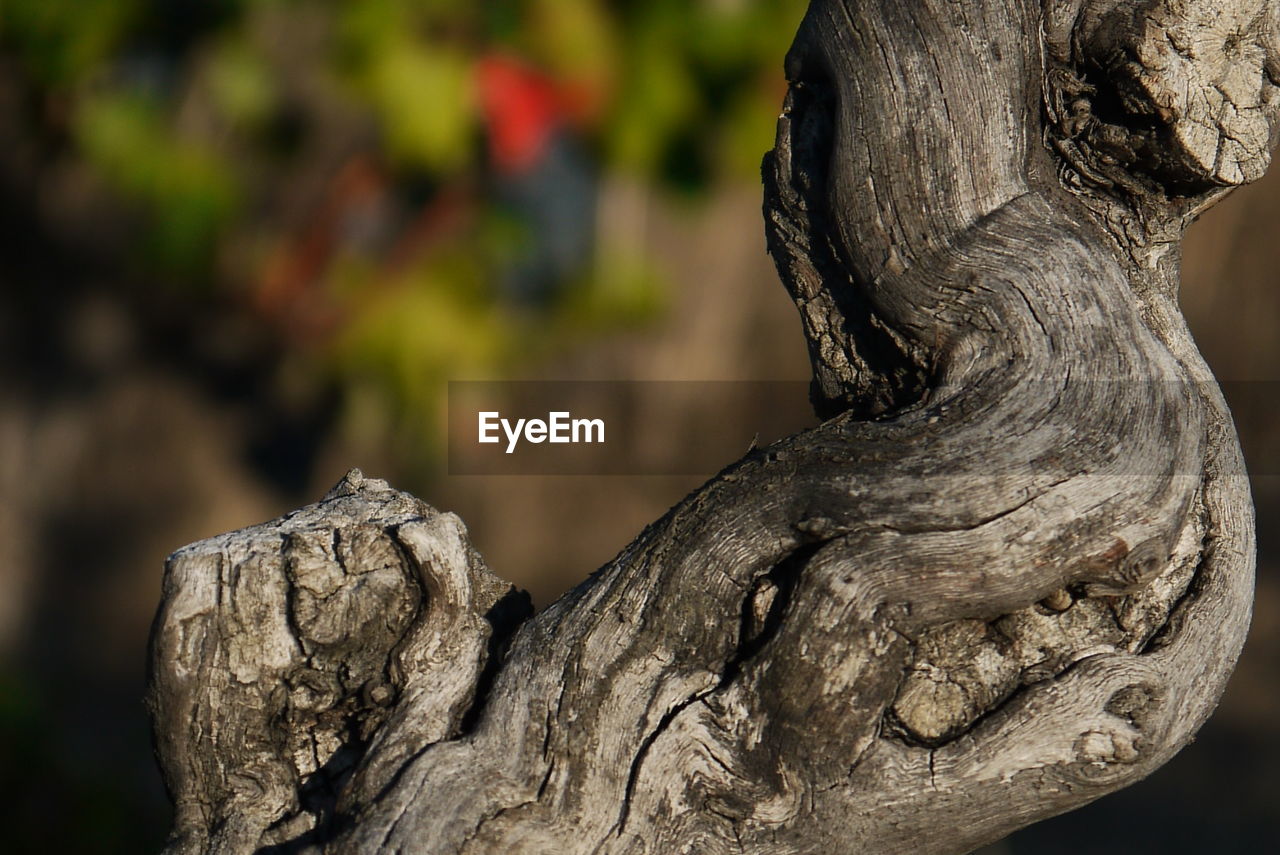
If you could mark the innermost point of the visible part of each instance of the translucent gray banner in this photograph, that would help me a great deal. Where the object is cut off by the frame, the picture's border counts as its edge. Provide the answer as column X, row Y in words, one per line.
column 688, row 427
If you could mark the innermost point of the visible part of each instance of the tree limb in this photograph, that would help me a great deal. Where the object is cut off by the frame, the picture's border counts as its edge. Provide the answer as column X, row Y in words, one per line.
column 1009, row 574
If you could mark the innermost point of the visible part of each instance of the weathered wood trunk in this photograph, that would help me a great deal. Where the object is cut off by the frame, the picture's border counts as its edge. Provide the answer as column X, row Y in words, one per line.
column 1008, row 575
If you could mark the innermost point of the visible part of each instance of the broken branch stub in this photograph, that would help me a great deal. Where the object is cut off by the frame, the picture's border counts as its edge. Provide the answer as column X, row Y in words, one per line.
column 1009, row 574
column 283, row 652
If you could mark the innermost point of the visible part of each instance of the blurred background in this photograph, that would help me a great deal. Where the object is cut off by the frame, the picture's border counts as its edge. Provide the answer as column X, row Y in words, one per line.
column 244, row 244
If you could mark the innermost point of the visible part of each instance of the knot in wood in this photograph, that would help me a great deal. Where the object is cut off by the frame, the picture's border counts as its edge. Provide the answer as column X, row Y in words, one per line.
column 1185, row 87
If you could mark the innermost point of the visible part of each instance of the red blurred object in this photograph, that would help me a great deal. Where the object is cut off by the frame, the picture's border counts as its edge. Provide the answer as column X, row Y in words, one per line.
column 290, row 293
column 286, row 292
column 521, row 107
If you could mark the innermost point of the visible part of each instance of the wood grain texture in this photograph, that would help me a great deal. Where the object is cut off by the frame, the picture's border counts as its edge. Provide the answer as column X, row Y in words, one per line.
column 1010, row 573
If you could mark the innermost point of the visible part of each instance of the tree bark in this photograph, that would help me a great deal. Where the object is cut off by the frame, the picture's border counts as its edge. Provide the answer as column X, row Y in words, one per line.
column 1010, row 573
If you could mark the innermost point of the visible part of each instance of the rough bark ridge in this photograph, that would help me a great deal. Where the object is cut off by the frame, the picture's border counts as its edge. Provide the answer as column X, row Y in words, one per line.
column 1009, row 574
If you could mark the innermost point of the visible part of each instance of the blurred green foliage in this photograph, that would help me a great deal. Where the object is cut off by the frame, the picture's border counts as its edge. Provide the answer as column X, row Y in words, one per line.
column 62, row 42
column 186, row 185
column 322, row 164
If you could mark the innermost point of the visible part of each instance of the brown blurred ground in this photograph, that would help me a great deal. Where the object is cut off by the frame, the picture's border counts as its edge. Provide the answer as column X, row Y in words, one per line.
column 116, row 447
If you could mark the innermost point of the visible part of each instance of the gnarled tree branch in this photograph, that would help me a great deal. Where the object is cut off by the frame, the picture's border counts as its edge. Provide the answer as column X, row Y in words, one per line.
column 1009, row 574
